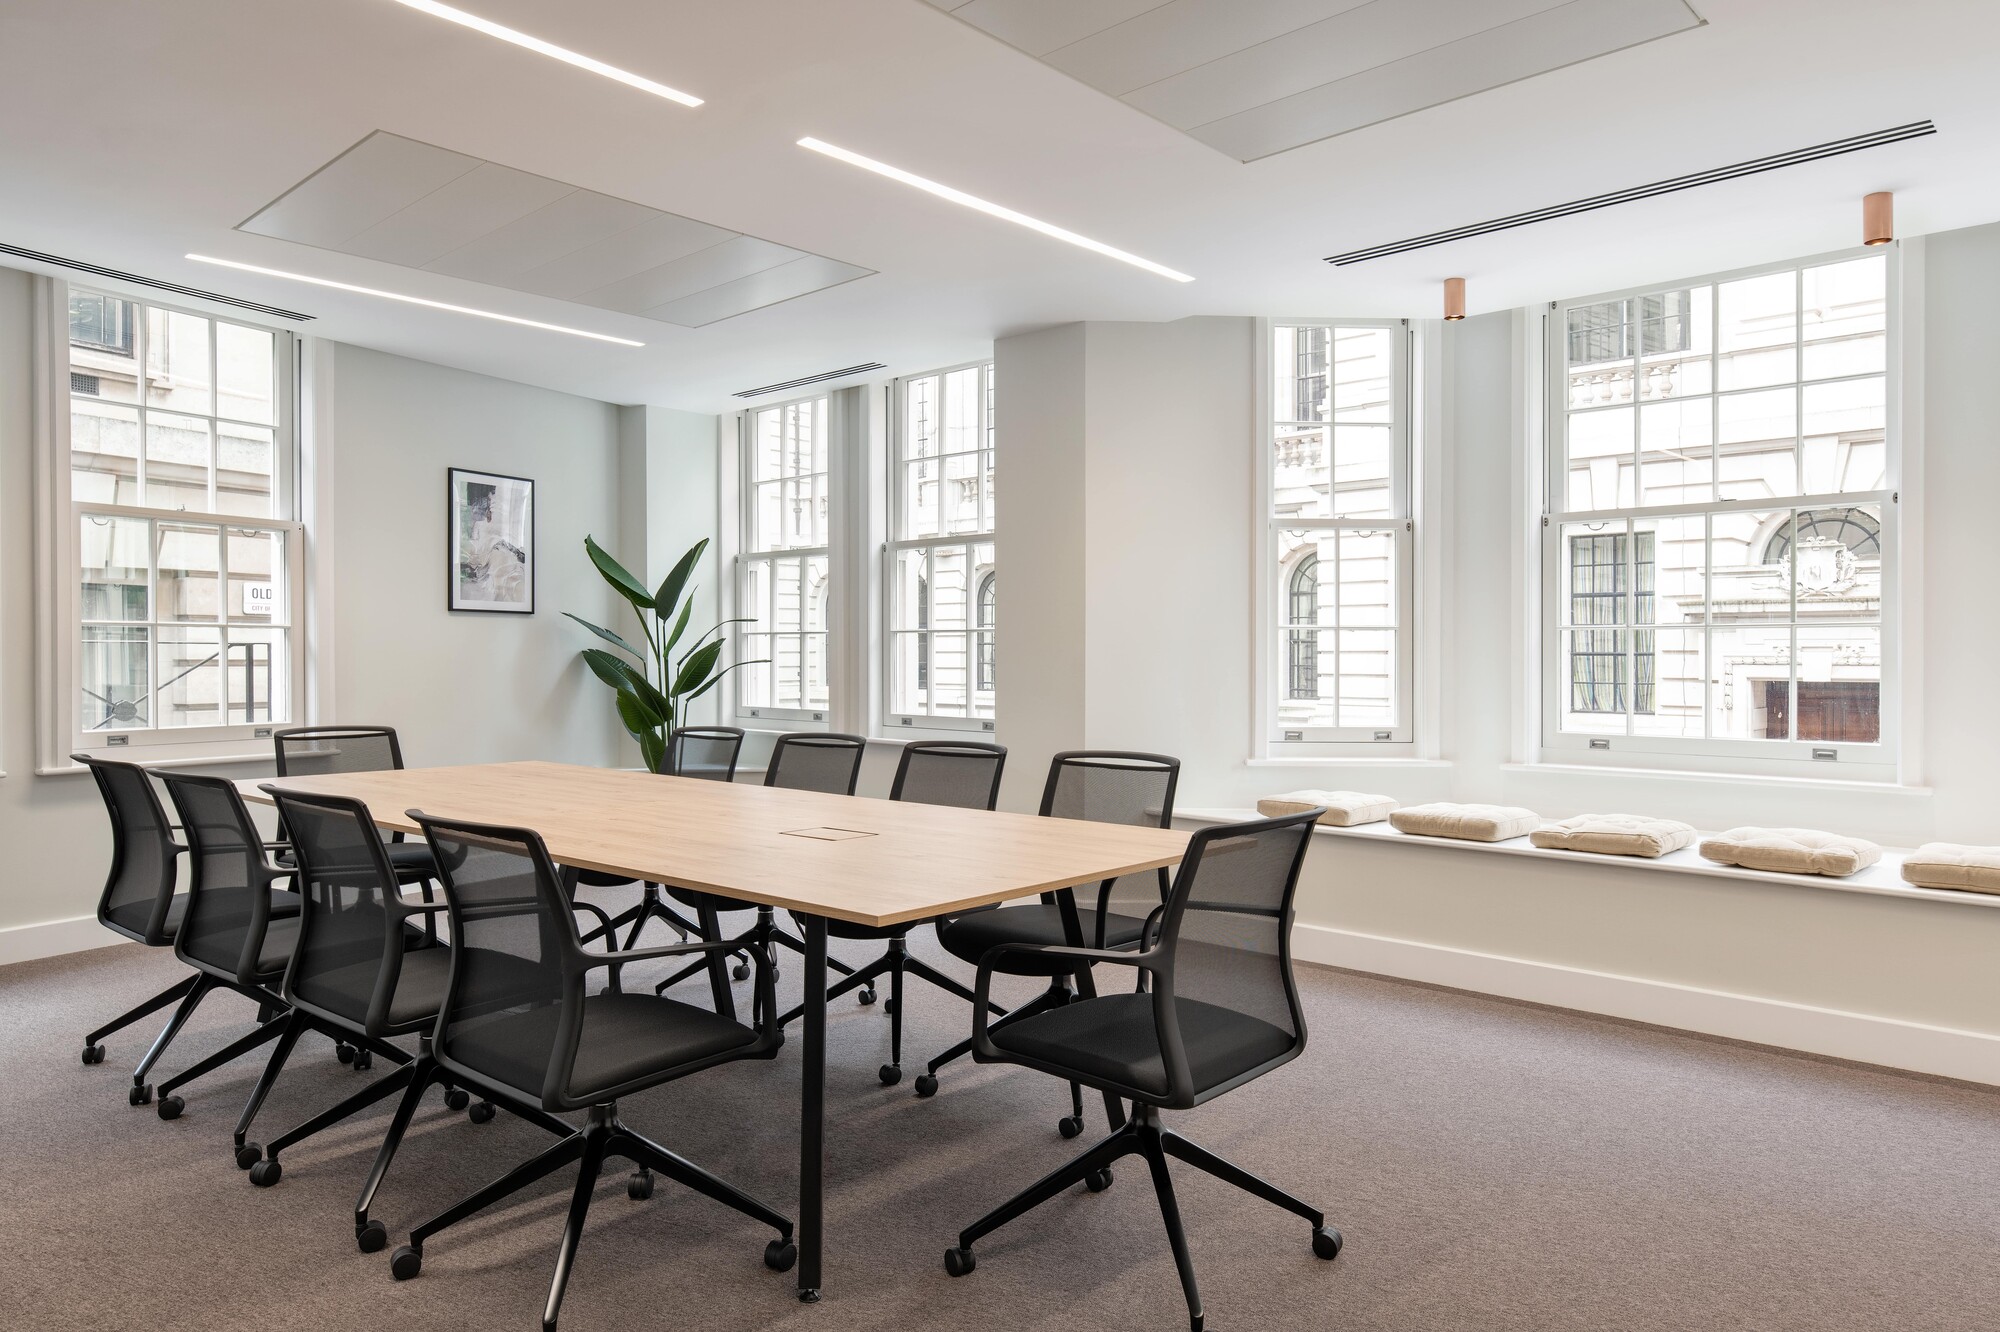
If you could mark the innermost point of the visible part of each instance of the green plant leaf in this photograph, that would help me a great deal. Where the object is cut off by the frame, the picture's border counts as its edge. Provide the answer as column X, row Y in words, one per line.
column 607, row 635
column 719, row 677
column 680, row 627
column 639, row 719
column 654, row 750
column 614, row 671
column 695, row 668
column 617, row 575
column 741, row 619
column 669, row 595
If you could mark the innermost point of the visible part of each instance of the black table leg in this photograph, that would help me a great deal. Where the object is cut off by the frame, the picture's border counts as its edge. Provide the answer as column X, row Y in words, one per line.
column 812, row 1110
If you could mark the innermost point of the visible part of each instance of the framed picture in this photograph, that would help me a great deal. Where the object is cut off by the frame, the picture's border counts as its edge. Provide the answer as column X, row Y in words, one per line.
column 492, row 543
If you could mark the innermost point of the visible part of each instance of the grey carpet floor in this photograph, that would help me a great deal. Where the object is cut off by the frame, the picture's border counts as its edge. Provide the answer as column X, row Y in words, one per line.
column 1493, row 1166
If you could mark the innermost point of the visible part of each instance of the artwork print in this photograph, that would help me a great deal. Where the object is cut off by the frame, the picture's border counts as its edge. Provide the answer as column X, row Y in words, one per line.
column 492, row 537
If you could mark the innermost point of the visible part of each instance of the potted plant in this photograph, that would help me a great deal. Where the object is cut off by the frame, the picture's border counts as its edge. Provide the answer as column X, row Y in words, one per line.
column 653, row 686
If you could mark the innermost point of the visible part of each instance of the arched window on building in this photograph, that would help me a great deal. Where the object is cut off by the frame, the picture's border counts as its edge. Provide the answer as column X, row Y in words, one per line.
column 1302, row 605
column 1856, row 529
column 983, row 622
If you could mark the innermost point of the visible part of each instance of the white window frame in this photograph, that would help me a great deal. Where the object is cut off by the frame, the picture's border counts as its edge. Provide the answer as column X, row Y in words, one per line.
column 1856, row 762
column 745, row 486
column 897, row 469
column 59, row 581
column 1272, row 741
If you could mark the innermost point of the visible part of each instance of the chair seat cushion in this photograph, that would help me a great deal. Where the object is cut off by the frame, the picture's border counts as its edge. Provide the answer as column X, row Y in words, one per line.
column 1974, row 869
column 134, row 917
column 626, row 1038
column 1114, row 1039
column 1615, row 835
column 1791, row 851
column 1466, row 823
column 280, row 936
column 1344, row 809
column 968, row 937
column 347, row 991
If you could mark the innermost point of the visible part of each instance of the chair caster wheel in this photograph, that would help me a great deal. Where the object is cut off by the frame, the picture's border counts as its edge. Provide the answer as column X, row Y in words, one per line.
column 1097, row 1181
column 741, row 971
column 481, row 1113
column 958, row 1262
column 1326, row 1243
column 866, row 994
column 926, row 1085
column 248, row 1155
column 890, row 1075
column 92, row 1054
column 266, row 1173
column 343, row 1052
column 780, row 1254
column 140, row 1095
column 363, row 1061
column 639, row 1185
column 170, row 1107
column 888, row 1005
column 1070, row 1126
column 456, row 1098
column 371, row 1238
column 406, row 1262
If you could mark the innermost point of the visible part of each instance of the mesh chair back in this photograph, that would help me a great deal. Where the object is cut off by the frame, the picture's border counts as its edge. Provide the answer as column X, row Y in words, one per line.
column 140, row 887
column 1115, row 786
column 314, row 751
column 816, row 761
column 707, row 752
column 350, row 945
column 229, row 900
column 1227, row 931
column 964, row 773
column 512, row 934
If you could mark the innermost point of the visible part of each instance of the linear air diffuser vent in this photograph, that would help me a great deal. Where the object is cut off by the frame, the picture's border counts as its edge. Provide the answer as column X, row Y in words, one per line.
column 98, row 270
column 811, row 379
column 1756, row 166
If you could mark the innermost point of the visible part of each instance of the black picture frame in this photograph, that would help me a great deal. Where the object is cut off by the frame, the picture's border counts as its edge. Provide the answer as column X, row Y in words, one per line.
column 489, row 542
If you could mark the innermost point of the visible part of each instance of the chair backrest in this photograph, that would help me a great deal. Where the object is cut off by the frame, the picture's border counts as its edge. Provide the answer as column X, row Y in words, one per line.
column 350, row 950
column 313, row 751
column 707, row 752
column 963, row 773
column 1112, row 786
column 140, row 887
column 229, row 897
column 816, row 761
column 515, row 953
column 1225, row 937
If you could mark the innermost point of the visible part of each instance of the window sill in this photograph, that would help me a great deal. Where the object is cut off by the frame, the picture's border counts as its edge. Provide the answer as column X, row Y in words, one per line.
column 1768, row 781
column 1328, row 761
column 194, row 761
column 1882, row 879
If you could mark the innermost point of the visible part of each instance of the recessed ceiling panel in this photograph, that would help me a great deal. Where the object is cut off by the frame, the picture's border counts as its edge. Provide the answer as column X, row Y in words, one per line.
column 403, row 202
column 1257, row 79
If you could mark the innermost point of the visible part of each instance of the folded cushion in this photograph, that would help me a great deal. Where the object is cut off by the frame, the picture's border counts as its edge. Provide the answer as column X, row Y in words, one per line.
column 1614, row 835
column 1468, row 823
column 1791, row 851
column 1344, row 809
column 1974, row 869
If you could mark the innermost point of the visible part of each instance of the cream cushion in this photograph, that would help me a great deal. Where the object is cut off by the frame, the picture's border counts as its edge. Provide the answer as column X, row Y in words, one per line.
column 1344, row 809
column 1615, row 835
column 1467, row 823
column 1948, row 865
column 1791, row 851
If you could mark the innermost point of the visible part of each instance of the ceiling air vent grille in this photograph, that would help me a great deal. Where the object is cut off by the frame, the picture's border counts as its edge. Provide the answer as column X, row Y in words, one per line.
column 811, row 379
column 117, row 275
column 1915, row 130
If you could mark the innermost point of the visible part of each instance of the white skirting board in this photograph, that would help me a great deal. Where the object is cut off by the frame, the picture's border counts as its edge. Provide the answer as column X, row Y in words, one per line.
column 1864, row 1038
column 51, row 938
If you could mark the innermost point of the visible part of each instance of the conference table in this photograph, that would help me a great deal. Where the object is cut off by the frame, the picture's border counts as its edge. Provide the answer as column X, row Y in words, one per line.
column 851, row 858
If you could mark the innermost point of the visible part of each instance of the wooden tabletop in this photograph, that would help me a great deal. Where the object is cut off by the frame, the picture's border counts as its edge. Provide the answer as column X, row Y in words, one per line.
column 871, row 862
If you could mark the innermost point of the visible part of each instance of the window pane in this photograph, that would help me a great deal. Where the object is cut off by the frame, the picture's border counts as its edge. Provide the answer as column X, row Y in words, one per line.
column 1299, row 367
column 244, row 479
column 190, row 673
column 1744, row 548
column 1596, row 680
column 1361, row 461
column 1758, row 331
column 117, row 679
column 1845, row 315
column 1601, row 459
column 244, row 363
column 1671, row 575
column 178, row 361
column 1757, row 434
column 922, row 418
column 1363, row 375
column 1366, row 574
column 754, row 678
column 1677, row 452
column 188, row 560
column 104, row 452
column 103, row 343
column 1837, row 697
column 256, row 676
column 256, row 576
column 1367, row 676
column 1669, row 682
column 1302, row 472
column 961, row 411
column 1844, row 429
column 177, row 462
column 113, row 554
column 1750, row 698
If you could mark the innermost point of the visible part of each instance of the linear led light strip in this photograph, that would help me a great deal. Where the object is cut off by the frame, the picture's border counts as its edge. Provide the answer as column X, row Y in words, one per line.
column 412, row 300
column 551, row 50
column 992, row 209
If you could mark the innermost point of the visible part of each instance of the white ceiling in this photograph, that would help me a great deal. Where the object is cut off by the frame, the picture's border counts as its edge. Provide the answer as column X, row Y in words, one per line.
column 137, row 133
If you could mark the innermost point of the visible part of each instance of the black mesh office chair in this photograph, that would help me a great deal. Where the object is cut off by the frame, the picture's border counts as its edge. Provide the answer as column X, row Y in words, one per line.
column 961, row 773
column 1104, row 786
column 364, row 973
column 518, row 1024
column 809, row 761
column 229, row 931
column 706, row 753
column 1222, row 1010
column 139, row 901
column 316, row 751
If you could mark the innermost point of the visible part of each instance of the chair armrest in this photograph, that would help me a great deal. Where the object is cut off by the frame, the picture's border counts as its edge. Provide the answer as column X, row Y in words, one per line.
column 595, row 960
column 983, row 986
